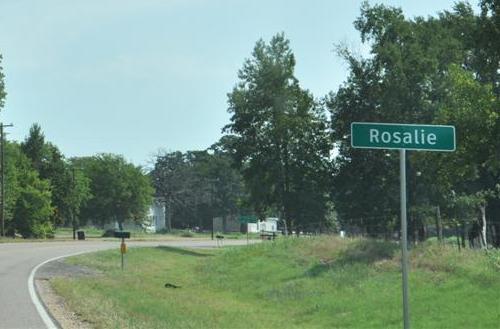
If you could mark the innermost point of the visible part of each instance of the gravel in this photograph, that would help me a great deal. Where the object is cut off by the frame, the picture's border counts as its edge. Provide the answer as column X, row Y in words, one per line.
column 55, row 304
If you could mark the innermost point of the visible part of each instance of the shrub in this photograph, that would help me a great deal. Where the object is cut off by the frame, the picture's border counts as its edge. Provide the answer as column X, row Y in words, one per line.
column 43, row 230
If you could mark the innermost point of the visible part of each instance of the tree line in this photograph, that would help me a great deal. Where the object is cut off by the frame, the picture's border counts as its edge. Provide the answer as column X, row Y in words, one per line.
column 44, row 189
column 287, row 153
column 292, row 152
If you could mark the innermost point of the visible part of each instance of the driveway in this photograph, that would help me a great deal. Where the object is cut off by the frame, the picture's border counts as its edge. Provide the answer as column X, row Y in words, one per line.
column 17, row 260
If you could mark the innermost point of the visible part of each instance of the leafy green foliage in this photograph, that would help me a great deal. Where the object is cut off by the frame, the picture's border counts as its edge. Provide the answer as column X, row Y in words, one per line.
column 28, row 206
column 33, row 208
column 119, row 190
column 317, row 283
column 69, row 190
column 279, row 136
column 424, row 70
column 34, row 146
column 197, row 186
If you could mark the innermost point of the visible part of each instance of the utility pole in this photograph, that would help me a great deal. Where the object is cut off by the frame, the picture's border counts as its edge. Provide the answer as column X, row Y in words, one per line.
column 73, row 223
column 2, row 175
column 73, row 210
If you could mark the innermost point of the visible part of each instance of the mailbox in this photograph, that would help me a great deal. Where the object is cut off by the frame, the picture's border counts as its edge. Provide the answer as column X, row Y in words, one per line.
column 122, row 235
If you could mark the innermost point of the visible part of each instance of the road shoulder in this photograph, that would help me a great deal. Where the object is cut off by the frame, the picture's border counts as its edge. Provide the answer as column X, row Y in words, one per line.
column 55, row 305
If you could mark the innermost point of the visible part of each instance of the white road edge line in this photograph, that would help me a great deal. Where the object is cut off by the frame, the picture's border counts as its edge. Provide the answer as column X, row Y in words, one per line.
column 47, row 320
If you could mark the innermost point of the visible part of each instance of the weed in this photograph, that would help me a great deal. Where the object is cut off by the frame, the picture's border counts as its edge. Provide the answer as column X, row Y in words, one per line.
column 289, row 283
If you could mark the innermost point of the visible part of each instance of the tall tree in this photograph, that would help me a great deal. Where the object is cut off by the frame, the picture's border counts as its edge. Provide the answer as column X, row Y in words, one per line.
column 33, row 209
column 28, row 198
column 119, row 190
column 169, row 179
column 486, row 60
column 279, row 132
column 34, row 146
column 51, row 165
column 473, row 169
column 197, row 186
column 403, row 81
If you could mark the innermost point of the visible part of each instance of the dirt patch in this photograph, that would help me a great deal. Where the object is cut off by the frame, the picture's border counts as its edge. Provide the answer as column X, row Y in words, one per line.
column 57, row 307
column 59, row 268
column 54, row 303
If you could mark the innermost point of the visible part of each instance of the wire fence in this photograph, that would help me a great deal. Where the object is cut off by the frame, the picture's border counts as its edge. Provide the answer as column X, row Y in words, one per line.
column 466, row 233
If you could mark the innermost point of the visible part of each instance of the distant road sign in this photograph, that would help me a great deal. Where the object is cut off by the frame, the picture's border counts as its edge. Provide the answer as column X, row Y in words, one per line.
column 122, row 235
column 402, row 136
column 248, row 219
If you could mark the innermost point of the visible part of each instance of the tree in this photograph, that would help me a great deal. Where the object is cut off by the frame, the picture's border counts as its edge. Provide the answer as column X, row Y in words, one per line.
column 34, row 146
column 32, row 210
column 215, row 170
column 16, row 165
column 486, row 47
column 197, row 186
column 78, row 195
column 403, row 81
column 169, row 178
column 119, row 190
column 474, row 169
column 51, row 165
column 28, row 198
column 279, row 133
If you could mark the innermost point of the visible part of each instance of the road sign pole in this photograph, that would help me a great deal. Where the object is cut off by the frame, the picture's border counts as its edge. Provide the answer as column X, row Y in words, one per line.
column 417, row 137
column 404, row 240
column 121, row 251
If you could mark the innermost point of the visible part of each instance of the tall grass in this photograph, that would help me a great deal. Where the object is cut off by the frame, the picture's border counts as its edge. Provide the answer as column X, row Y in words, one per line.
column 289, row 283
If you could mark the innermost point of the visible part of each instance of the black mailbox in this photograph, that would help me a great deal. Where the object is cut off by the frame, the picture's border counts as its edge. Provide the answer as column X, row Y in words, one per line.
column 122, row 235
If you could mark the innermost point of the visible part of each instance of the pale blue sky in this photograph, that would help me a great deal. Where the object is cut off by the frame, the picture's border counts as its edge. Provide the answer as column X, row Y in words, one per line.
column 133, row 76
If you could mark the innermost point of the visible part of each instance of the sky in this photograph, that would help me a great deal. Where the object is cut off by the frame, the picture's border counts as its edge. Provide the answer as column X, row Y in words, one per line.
column 134, row 77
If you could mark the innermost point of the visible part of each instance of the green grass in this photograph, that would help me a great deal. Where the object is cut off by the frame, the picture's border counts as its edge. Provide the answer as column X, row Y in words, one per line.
column 92, row 233
column 66, row 233
column 290, row 283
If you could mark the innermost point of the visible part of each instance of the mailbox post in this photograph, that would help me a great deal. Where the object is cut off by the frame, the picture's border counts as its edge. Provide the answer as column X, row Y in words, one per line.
column 123, row 247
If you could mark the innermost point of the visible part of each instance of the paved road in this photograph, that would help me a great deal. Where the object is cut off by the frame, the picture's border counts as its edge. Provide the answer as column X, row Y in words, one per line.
column 17, row 260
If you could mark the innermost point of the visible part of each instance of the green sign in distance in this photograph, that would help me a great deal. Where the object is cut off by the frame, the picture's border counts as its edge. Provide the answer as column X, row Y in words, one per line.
column 248, row 219
column 402, row 136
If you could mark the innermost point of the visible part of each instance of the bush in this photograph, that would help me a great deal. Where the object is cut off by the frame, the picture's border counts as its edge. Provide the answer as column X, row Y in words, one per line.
column 43, row 230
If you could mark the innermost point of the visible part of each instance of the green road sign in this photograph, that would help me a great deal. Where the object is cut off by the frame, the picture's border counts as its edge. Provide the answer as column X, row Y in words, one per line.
column 122, row 235
column 248, row 219
column 402, row 136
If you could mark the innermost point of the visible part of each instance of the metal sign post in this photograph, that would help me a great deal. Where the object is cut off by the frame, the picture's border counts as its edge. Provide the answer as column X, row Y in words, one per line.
column 404, row 238
column 403, row 137
column 123, row 247
column 123, row 250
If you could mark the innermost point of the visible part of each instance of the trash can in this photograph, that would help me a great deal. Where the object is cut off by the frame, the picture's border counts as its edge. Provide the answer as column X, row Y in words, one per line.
column 81, row 235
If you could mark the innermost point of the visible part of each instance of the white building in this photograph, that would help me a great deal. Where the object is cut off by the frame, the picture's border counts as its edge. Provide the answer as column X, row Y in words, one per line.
column 155, row 218
column 268, row 225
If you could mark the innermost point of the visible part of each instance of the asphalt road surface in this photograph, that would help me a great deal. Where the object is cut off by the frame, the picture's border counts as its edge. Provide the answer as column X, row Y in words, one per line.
column 17, row 260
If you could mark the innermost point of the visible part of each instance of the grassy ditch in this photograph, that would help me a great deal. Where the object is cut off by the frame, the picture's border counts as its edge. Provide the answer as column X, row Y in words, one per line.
column 295, row 283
